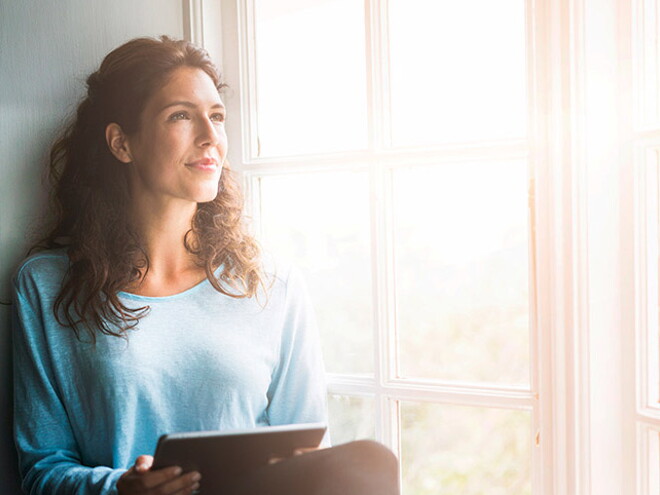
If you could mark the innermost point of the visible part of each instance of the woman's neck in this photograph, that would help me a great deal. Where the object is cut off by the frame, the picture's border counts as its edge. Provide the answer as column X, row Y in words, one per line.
column 172, row 268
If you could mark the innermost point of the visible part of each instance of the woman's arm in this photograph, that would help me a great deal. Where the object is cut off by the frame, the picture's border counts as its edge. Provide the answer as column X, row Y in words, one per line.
column 49, row 456
column 49, row 460
column 298, row 392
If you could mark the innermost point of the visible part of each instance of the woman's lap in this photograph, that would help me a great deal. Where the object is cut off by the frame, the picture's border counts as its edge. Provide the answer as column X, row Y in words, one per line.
column 357, row 468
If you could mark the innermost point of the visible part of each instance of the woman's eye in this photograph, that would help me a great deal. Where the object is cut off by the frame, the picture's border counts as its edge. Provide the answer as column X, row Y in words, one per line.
column 179, row 116
column 218, row 117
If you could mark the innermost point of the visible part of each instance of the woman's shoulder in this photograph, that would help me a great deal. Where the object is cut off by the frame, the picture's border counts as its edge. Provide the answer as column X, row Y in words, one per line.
column 280, row 269
column 286, row 277
column 41, row 270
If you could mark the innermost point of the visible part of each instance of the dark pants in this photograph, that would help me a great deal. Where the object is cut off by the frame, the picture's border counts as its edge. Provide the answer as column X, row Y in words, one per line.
column 357, row 468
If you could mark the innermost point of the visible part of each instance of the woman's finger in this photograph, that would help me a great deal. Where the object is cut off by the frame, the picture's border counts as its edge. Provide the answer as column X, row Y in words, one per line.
column 305, row 450
column 143, row 463
column 152, row 479
column 182, row 485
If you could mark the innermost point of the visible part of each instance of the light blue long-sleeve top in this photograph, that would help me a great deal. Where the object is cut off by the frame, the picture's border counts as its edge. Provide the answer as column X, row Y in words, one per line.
column 199, row 360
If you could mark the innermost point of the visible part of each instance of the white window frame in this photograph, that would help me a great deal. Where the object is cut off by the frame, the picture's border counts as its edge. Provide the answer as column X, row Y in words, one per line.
column 561, row 397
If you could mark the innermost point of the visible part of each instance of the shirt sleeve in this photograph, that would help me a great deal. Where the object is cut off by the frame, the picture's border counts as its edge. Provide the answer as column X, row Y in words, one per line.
column 298, row 392
column 49, row 461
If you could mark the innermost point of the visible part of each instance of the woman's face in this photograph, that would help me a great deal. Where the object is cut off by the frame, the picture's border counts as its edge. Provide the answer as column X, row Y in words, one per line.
column 181, row 144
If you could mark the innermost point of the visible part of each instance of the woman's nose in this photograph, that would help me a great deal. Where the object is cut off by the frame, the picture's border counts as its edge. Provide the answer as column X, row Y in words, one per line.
column 209, row 133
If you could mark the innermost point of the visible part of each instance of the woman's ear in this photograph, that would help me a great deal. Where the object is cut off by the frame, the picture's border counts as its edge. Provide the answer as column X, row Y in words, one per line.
column 118, row 143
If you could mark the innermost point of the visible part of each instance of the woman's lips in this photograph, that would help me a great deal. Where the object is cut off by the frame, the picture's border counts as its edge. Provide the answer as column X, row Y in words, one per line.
column 205, row 165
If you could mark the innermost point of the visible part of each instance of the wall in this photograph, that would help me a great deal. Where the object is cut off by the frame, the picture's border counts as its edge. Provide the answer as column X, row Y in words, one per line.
column 47, row 49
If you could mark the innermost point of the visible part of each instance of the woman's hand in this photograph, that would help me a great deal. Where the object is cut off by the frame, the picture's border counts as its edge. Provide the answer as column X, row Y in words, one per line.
column 141, row 480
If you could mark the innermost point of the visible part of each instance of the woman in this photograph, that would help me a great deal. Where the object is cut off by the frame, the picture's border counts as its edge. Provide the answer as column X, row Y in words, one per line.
column 149, row 309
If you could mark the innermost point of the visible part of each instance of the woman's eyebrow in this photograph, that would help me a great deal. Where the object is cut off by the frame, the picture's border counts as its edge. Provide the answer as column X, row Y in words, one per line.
column 188, row 104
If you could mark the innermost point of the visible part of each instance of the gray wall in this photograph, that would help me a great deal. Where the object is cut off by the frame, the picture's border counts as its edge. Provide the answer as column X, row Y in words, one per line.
column 47, row 48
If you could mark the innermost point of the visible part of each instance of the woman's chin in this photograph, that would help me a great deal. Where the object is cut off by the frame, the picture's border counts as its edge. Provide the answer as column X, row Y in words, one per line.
column 207, row 196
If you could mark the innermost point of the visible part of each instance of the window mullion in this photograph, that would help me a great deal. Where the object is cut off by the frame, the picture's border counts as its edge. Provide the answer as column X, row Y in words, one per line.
column 381, row 300
column 387, row 427
column 248, row 80
column 378, row 115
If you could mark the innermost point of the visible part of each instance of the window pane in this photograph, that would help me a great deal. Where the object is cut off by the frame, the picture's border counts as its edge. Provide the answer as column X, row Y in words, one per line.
column 648, row 222
column 351, row 418
column 449, row 450
column 461, row 271
column 311, row 76
column 653, row 461
column 321, row 222
column 458, row 70
column 648, row 59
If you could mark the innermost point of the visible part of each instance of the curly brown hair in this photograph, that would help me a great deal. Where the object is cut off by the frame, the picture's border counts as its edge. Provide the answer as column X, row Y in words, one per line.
column 91, row 197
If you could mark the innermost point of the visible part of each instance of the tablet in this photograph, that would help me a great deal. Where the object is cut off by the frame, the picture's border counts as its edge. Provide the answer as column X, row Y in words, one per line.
column 222, row 457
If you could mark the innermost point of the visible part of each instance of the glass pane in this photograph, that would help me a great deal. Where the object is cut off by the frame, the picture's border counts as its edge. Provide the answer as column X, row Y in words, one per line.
column 321, row 222
column 648, row 221
column 351, row 418
column 458, row 70
column 654, row 462
column 648, row 57
column 461, row 271
column 311, row 76
column 449, row 450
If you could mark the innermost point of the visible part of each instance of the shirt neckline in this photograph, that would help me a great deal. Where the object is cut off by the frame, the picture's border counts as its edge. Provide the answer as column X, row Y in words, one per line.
column 198, row 286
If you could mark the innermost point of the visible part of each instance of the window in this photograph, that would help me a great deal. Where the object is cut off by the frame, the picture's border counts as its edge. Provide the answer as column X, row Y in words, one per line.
column 403, row 155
